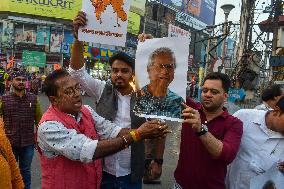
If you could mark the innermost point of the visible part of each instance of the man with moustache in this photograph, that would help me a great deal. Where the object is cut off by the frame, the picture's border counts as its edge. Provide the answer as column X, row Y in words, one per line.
column 156, row 99
column 115, row 101
column 72, row 137
column 21, row 111
column 210, row 137
column 262, row 145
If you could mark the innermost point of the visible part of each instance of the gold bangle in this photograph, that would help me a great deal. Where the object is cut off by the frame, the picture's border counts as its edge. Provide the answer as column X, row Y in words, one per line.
column 137, row 134
column 132, row 133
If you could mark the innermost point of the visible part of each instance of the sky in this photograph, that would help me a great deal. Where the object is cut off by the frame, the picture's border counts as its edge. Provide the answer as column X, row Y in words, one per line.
column 235, row 13
column 234, row 16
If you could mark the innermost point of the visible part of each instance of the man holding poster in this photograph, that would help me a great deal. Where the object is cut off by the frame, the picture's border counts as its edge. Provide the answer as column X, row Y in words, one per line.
column 115, row 101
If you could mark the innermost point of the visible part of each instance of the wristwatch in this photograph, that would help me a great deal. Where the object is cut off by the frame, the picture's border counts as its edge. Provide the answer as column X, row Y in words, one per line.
column 203, row 130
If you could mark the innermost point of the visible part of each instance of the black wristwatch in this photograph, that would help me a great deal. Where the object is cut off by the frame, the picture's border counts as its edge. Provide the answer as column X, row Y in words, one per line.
column 203, row 130
column 159, row 161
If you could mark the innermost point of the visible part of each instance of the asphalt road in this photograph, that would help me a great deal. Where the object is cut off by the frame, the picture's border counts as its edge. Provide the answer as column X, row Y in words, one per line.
column 170, row 155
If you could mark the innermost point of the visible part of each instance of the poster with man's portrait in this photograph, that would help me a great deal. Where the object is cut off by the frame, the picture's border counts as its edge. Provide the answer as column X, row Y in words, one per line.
column 19, row 35
column 8, row 31
column 161, row 77
column 56, row 38
column 29, row 36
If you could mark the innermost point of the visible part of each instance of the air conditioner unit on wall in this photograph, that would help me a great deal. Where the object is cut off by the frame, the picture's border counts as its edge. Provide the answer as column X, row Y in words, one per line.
column 280, row 39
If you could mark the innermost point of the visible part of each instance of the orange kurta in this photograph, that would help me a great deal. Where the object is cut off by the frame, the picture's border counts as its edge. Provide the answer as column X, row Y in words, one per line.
column 10, row 176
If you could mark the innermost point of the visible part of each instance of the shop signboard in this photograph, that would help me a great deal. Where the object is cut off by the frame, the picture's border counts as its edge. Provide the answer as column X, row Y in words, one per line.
column 29, row 36
column 67, row 41
column 64, row 9
column 236, row 94
column 230, row 47
column 33, row 58
column 86, row 52
column 28, row 46
column 173, row 4
column 190, row 21
column 65, row 48
column 197, row 13
column 56, row 38
column 190, row 61
column 68, row 36
column 53, row 58
column 203, row 10
column 101, row 53
column 43, row 36
column 175, row 31
column 133, row 26
column 7, row 33
column 138, row 6
column 277, row 65
column 18, row 35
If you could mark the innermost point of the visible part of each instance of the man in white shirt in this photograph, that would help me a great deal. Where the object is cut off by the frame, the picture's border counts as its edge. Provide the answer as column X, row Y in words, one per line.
column 261, row 147
column 115, row 101
column 72, row 138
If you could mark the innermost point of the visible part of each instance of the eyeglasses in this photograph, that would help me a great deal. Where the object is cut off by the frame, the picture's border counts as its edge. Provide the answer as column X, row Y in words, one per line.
column 71, row 91
column 165, row 66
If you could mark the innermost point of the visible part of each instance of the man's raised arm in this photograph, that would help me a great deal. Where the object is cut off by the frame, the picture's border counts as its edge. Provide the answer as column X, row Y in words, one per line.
column 92, row 86
column 77, row 57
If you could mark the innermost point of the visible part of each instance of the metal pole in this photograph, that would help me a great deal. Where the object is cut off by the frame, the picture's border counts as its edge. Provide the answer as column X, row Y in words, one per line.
column 145, row 17
column 224, row 41
column 207, row 56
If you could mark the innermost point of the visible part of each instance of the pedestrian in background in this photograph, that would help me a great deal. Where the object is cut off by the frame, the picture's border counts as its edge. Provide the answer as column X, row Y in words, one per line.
column 21, row 112
column 270, row 97
column 35, row 84
column 210, row 136
column 10, row 176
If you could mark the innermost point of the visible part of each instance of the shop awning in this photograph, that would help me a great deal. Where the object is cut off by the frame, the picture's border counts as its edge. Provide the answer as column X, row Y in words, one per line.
column 267, row 25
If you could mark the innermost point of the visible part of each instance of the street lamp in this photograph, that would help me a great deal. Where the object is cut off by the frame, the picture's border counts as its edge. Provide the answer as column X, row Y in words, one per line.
column 227, row 9
column 209, row 30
